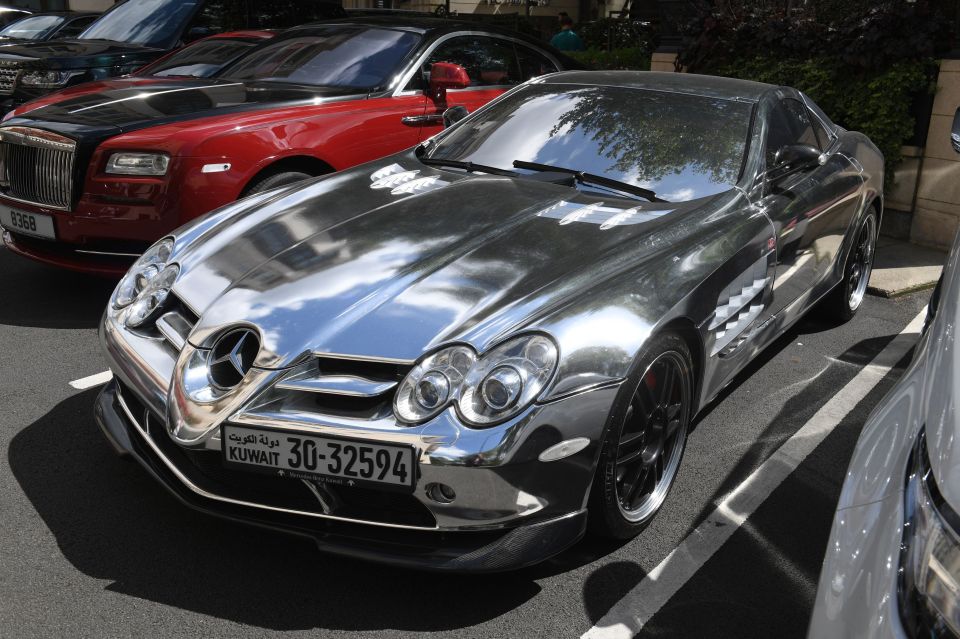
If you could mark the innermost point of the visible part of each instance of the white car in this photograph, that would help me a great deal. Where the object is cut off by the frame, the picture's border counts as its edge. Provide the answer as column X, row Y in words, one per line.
column 893, row 560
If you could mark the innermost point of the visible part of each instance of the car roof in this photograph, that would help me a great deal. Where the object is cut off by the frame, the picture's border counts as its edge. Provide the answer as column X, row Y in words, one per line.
column 689, row 83
column 416, row 23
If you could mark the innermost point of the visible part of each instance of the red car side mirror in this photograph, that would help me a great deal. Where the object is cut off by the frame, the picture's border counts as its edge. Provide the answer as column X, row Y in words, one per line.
column 446, row 75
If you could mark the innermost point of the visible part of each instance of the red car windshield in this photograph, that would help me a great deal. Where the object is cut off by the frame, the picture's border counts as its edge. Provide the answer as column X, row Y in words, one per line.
column 339, row 56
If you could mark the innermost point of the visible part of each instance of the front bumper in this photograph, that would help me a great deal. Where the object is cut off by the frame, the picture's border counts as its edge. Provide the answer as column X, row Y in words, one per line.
column 94, row 237
column 479, row 550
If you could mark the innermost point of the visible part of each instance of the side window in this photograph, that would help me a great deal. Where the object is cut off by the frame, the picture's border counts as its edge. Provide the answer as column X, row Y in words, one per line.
column 533, row 63
column 801, row 122
column 75, row 27
column 789, row 124
column 489, row 62
column 823, row 136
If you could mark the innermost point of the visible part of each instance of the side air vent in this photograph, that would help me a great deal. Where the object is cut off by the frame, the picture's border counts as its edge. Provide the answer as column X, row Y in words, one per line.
column 740, row 304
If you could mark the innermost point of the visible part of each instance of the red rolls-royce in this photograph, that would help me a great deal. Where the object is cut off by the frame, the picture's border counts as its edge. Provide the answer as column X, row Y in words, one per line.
column 89, row 178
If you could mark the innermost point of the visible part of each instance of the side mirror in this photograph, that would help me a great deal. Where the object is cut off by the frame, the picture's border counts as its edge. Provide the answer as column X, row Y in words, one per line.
column 955, row 133
column 453, row 115
column 793, row 157
column 446, row 75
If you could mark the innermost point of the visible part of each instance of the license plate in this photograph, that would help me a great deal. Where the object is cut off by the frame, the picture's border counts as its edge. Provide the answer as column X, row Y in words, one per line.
column 27, row 223
column 318, row 458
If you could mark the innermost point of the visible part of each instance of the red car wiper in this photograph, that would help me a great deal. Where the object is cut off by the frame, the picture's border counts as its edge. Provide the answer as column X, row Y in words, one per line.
column 592, row 178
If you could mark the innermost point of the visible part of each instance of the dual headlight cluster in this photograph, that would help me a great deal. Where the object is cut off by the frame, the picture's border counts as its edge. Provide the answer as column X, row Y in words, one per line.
column 486, row 389
column 143, row 290
column 930, row 556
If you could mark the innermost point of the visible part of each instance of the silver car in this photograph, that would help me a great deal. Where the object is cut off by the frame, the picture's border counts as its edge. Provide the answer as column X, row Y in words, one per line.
column 461, row 356
column 892, row 567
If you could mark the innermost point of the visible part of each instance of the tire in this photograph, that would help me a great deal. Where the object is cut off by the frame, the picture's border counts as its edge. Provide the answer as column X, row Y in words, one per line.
column 274, row 181
column 646, row 437
column 847, row 297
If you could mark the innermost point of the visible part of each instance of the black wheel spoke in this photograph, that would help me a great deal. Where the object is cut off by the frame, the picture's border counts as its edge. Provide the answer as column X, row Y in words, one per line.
column 629, row 458
column 666, row 388
column 629, row 439
column 646, row 402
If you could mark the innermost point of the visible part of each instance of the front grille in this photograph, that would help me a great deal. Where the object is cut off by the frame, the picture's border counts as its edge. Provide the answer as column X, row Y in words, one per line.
column 8, row 76
column 37, row 166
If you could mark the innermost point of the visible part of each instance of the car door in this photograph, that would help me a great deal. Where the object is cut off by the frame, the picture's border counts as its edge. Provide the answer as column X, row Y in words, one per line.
column 493, row 64
column 809, row 208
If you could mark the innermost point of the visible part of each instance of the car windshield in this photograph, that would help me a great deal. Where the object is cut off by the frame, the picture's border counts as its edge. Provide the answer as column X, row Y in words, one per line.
column 200, row 60
column 680, row 146
column 33, row 28
column 341, row 56
column 151, row 23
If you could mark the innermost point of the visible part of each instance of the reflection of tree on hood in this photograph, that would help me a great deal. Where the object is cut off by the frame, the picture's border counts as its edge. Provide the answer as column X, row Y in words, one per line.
column 649, row 134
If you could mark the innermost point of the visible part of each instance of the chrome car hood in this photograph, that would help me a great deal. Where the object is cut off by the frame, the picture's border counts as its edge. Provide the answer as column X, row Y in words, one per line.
column 392, row 259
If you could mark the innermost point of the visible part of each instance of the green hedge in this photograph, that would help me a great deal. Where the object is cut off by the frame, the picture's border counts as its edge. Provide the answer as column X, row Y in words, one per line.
column 875, row 102
column 637, row 58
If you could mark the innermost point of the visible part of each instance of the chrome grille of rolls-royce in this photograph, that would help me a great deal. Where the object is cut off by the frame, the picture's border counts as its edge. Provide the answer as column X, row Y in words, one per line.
column 9, row 70
column 36, row 166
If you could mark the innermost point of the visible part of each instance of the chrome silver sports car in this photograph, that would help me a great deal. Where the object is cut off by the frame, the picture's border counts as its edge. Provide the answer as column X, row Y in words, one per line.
column 463, row 356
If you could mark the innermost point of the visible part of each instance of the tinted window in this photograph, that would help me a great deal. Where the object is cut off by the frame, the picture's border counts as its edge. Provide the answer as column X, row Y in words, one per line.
column 488, row 61
column 200, row 60
column 800, row 119
column 33, row 28
column 533, row 63
column 823, row 136
column 218, row 16
column 343, row 56
column 156, row 23
column 75, row 27
column 681, row 146
column 789, row 123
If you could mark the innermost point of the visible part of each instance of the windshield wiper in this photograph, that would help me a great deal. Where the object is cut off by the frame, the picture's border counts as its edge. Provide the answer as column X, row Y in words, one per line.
column 469, row 167
column 591, row 178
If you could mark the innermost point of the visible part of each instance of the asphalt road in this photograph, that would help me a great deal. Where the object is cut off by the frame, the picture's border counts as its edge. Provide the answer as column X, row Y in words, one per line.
column 91, row 547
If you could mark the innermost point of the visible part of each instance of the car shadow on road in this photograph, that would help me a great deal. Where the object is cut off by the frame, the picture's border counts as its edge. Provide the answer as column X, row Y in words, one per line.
column 112, row 522
column 41, row 296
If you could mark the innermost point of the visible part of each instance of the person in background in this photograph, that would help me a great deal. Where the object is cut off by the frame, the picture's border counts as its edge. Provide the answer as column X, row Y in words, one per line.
column 567, row 40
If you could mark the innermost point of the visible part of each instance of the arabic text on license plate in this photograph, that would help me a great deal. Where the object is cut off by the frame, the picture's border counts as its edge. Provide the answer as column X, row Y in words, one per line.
column 35, row 224
column 328, row 459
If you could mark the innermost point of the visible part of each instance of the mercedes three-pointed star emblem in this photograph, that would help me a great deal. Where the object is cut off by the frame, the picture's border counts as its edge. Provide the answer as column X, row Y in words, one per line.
column 232, row 356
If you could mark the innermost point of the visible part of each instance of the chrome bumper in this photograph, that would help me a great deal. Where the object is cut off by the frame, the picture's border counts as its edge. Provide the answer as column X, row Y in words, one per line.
column 498, row 479
column 430, row 549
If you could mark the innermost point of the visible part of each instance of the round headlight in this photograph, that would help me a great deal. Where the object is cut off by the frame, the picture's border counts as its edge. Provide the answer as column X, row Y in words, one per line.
column 432, row 390
column 501, row 388
column 138, row 278
column 150, row 300
column 429, row 387
column 507, row 379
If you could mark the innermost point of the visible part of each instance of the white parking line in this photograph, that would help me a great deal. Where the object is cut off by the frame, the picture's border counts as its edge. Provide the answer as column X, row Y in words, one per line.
column 629, row 615
column 91, row 381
